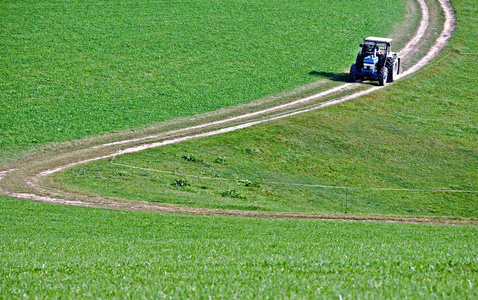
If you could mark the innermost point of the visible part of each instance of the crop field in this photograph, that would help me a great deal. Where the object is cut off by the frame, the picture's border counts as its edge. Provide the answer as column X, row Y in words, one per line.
column 52, row 251
column 82, row 68
column 78, row 69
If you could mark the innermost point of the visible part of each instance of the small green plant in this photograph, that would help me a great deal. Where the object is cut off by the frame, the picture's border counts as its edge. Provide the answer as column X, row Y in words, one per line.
column 220, row 160
column 248, row 183
column 232, row 194
column 121, row 173
column 190, row 158
column 180, row 183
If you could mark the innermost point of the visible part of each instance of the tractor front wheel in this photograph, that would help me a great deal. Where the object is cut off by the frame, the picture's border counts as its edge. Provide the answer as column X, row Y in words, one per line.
column 353, row 73
column 382, row 80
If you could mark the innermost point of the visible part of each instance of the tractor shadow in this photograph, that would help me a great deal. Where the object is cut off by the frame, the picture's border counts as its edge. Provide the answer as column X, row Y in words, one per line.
column 339, row 77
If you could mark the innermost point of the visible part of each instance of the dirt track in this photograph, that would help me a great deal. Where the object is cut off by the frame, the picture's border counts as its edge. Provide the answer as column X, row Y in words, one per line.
column 30, row 178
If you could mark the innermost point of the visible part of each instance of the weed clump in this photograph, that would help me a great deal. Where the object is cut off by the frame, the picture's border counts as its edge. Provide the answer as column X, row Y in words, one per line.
column 191, row 158
column 248, row 183
column 232, row 194
column 220, row 160
column 180, row 183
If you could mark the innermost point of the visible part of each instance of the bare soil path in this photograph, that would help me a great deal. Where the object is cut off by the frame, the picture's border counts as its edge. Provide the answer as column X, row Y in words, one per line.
column 30, row 178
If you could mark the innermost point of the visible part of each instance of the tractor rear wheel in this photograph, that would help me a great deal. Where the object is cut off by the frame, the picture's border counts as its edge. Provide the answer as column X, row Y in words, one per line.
column 392, row 65
column 382, row 80
column 352, row 74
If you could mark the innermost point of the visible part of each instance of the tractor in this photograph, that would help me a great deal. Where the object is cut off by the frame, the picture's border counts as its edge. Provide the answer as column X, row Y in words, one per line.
column 376, row 61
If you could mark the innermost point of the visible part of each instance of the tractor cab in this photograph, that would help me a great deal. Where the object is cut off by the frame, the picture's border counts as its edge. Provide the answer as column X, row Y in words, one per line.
column 373, row 45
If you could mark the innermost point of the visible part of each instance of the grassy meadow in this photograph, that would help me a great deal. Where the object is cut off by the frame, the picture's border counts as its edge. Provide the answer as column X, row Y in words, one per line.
column 418, row 136
column 81, row 62
column 54, row 251
column 71, row 69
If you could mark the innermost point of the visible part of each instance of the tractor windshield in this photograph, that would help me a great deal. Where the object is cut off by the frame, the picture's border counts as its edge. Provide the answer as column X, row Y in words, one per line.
column 379, row 47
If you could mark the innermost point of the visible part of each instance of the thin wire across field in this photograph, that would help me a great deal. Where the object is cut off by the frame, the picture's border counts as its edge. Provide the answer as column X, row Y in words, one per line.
column 295, row 184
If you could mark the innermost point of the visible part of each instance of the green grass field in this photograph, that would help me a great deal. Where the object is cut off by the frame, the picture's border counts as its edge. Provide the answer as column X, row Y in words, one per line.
column 52, row 251
column 82, row 68
column 418, row 133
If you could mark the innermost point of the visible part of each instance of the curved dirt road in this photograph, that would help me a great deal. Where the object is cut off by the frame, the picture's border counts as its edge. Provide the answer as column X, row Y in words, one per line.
column 29, row 179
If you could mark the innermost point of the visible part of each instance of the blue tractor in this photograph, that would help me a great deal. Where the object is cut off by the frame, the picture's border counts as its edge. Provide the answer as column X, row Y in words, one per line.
column 376, row 61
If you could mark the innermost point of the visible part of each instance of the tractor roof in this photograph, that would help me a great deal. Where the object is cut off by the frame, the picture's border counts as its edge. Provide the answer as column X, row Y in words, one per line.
column 377, row 39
